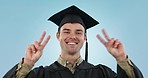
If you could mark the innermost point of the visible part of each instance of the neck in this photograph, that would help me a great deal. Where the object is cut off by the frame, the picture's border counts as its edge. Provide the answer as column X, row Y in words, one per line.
column 71, row 58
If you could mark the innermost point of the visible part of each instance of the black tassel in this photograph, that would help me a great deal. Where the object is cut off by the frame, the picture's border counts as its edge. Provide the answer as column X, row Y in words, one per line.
column 86, row 52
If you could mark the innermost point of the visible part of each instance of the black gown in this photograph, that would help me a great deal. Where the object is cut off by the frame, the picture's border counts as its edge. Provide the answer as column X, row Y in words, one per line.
column 84, row 70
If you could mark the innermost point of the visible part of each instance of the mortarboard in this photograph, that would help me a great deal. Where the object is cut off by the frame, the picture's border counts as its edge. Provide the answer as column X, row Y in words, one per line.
column 73, row 14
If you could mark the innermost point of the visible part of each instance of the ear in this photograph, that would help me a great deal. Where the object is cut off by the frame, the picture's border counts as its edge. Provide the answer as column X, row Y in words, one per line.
column 58, row 35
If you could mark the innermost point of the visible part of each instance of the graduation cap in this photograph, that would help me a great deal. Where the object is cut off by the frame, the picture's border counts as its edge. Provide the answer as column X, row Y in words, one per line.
column 73, row 14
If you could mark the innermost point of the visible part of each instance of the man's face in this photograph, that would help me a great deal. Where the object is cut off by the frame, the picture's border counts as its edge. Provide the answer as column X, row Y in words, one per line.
column 71, row 37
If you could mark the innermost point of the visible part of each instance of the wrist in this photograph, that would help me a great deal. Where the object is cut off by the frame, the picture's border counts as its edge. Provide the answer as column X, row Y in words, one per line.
column 28, row 62
column 121, row 58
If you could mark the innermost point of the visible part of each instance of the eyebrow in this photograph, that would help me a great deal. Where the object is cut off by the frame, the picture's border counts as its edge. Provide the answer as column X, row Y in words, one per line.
column 79, row 30
column 66, row 29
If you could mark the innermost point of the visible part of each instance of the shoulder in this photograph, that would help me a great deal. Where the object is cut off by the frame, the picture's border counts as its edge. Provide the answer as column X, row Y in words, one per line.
column 51, row 68
column 105, row 70
column 94, row 69
column 39, row 72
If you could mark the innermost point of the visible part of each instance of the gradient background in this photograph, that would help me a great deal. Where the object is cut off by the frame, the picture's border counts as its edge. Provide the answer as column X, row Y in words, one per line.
column 23, row 21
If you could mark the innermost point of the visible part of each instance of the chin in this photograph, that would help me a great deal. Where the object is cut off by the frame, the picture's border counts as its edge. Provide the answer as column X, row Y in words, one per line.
column 72, row 53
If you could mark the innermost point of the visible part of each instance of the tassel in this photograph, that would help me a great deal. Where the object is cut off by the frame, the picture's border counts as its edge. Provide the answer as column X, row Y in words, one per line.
column 86, row 52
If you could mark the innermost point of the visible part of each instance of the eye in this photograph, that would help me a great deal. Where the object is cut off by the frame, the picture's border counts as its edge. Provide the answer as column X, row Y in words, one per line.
column 67, row 32
column 78, row 33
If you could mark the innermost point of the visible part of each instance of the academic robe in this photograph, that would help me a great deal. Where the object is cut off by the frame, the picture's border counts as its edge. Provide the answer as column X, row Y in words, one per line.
column 84, row 70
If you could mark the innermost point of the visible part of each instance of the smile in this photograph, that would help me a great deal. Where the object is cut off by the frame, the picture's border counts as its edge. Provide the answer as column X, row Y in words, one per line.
column 71, row 43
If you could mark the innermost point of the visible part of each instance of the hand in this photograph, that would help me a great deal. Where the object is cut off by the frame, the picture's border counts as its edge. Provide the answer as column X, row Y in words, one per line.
column 34, row 51
column 114, row 46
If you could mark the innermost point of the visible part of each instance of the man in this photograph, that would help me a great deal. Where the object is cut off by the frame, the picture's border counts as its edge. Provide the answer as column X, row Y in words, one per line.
column 71, row 34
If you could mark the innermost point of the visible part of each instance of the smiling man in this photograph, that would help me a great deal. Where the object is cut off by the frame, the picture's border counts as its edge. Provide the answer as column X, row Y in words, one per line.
column 71, row 35
column 71, row 38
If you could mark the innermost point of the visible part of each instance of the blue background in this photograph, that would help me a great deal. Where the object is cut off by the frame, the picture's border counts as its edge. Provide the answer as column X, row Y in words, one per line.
column 23, row 21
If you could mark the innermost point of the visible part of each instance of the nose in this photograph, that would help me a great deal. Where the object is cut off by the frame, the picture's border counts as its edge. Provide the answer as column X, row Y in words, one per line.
column 72, row 35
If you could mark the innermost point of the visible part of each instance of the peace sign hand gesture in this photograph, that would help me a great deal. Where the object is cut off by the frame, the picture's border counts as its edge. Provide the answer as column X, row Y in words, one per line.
column 34, row 51
column 114, row 46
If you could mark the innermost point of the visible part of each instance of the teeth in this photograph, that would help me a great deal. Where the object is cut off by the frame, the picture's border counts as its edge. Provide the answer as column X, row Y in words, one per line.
column 71, row 43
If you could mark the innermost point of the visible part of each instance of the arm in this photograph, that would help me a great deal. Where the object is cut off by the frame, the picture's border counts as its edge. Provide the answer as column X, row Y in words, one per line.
column 33, row 53
column 129, row 68
column 116, row 49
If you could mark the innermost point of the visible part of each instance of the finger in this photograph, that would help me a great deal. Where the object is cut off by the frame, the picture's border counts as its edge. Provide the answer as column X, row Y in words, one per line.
column 46, row 41
column 32, row 47
column 37, row 45
column 29, row 50
column 42, row 37
column 110, row 43
column 120, row 45
column 117, row 42
column 101, row 39
column 105, row 34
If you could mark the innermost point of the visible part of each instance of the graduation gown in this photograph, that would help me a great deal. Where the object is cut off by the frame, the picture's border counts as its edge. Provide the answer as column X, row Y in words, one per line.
column 84, row 70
